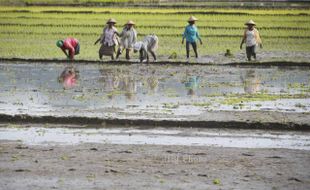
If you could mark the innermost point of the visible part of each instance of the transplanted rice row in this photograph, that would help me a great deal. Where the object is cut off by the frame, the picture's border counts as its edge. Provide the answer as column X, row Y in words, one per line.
column 220, row 30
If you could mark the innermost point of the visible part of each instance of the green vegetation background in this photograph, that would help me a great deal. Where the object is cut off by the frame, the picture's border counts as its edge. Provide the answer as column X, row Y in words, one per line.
column 31, row 32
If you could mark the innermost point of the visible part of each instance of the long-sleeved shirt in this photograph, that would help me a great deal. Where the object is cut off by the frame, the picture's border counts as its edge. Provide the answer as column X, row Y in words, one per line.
column 128, row 37
column 191, row 33
column 70, row 44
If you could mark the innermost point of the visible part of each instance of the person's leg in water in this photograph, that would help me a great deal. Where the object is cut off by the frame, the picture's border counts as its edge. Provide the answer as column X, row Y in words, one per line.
column 153, row 54
column 141, row 56
column 194, row 45
column 119, row 52
column 248, row 53
column 254, row 51
column 127, row 54
column 187, row 49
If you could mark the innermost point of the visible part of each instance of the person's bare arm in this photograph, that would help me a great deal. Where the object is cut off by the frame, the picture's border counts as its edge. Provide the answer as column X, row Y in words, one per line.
column 65, row 52
column 243, row 39
column 71, row 53
column 98, row 40
column 198, row 36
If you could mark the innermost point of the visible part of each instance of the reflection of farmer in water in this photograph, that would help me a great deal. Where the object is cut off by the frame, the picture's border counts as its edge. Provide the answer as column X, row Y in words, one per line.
column 110, row 81
column 71, row 45
column 192, row 84
column 69, row 77
column 152, row 82
column 130, row 87
column 251, row 82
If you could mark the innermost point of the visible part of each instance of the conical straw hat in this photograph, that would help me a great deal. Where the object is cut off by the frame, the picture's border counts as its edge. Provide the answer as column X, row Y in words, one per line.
column 130, row 22
column 192, row 18
column 250, row 22
column 111, row 20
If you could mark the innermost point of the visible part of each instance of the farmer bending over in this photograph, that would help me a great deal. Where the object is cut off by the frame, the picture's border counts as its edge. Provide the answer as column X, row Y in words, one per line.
column 251, row 39
column 191, row 35
column 70, row 44
column 149, row 44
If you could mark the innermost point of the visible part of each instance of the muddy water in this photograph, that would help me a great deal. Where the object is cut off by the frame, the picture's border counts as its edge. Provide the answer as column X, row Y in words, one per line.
column 136, row 90
column 185, row 137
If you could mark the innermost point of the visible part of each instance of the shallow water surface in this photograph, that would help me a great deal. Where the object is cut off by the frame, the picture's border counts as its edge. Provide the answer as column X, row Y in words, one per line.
column 137, row 90
column 185, row 137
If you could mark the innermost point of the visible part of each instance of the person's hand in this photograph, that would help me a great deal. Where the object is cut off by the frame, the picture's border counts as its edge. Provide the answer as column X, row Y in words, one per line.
column 200, row 42
column 240, row 46
column 261, row 46
column 182, row 41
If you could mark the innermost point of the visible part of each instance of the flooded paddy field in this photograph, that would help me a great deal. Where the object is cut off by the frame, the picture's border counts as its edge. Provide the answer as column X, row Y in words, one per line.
column 153, row 91
column 64, row 156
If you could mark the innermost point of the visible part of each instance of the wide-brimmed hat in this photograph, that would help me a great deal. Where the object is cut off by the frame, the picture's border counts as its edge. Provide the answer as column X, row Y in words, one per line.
column 130, row 22
column 192, row 18
column 111, row 20
column 250, row 22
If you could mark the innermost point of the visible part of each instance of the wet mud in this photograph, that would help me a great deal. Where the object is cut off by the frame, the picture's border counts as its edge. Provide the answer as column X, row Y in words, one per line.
column 110, row 166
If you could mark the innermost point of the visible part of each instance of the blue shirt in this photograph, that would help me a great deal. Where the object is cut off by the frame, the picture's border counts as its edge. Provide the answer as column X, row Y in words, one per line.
column 191, row 33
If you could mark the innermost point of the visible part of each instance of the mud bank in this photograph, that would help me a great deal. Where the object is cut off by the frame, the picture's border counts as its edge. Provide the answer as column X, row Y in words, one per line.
column 107, row 166
column 232, row 120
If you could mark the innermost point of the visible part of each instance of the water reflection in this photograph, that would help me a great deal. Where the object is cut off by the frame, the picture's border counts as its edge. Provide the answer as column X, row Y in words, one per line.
column 192, row 83
column 152, row 88
column 119, row 81
column 251, row 82
column 152, row 82
column 69, row 77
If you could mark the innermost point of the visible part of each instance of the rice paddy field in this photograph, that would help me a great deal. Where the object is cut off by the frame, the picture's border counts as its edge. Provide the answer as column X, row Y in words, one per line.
column 32, row 31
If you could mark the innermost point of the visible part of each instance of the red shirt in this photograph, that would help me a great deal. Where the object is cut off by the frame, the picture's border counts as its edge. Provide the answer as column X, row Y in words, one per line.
column 70, row 44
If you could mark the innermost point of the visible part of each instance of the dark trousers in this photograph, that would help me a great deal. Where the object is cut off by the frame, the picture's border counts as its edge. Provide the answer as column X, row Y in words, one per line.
column 251, row 51
column 194, row 45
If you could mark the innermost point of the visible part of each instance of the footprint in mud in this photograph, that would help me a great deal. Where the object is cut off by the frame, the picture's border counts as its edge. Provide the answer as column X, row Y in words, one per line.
column 22, row 170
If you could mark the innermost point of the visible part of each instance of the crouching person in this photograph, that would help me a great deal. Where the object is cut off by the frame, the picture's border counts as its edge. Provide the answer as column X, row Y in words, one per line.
column 251, row 39
column 71, row 45
column 148, row 45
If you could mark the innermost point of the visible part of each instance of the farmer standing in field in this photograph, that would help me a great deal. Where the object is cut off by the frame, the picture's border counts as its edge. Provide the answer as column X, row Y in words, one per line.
column 191, row 35
column 70, row 44
column 108, row 39
column 128, row 39
column 251, row 38
column 149, row 44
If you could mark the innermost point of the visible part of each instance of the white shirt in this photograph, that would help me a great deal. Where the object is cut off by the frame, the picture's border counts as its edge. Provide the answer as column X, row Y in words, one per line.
column 250, row 38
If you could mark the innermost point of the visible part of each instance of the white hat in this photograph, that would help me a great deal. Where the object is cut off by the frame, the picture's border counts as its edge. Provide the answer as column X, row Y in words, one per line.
column 137, row 46
column 111, row 20
column 130, row 22
column 192, row 18
column 250, row 22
